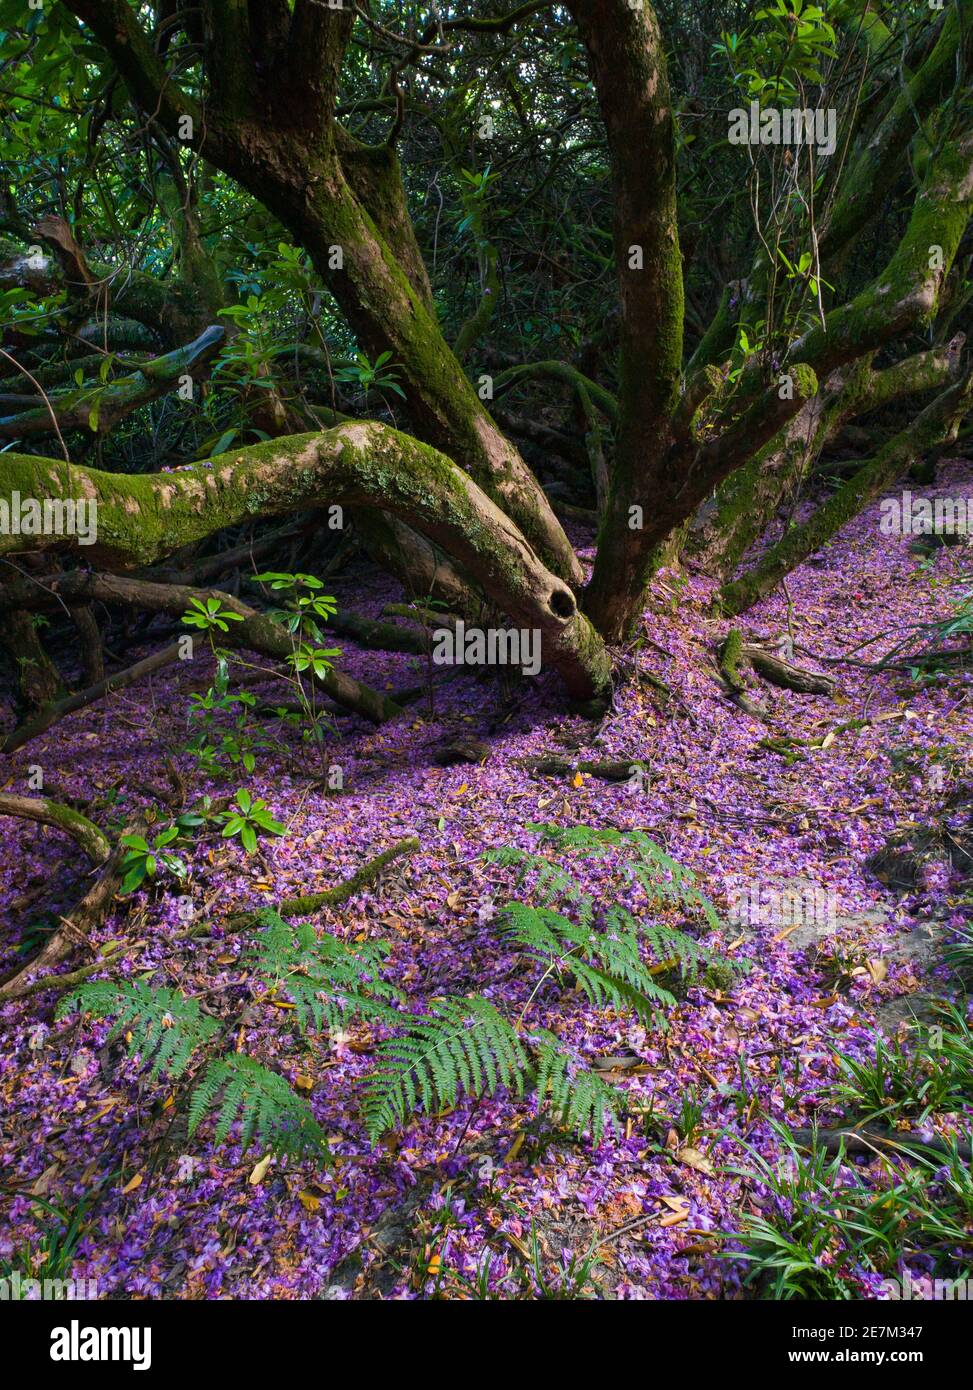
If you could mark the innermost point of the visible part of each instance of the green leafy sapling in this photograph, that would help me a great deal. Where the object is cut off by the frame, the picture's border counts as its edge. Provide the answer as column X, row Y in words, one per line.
column 250, row 819
column 211, row 615
column 305, row 608
column 142, row 860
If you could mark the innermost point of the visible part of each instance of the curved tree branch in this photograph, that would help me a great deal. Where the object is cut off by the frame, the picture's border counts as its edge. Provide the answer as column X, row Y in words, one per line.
column 99, row 407
column 142, row 518
column 93, row 841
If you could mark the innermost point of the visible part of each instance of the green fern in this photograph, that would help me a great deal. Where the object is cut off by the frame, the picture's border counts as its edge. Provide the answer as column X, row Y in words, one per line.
column 265, row 1104
column 465, row 1045
column 608, row 968
column 577, row 1097
column 615, row 956
column 166, row 1029
column 663, row 879
column 550, row 882
column 327, row 982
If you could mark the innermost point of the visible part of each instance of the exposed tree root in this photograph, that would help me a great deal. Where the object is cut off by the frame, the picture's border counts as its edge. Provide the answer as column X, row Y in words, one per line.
column 52, row 714
column 330, row 897
column 785, row 674
column 76, row 929
column 93, row 841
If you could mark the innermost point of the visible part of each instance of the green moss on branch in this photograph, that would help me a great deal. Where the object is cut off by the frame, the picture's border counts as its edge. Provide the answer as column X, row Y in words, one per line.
column 93, row 841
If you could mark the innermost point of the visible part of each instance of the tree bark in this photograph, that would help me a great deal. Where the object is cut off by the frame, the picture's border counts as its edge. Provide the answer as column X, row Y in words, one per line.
column 92, row 840
column 274, row 133
column 750, row 498
column 627, row 61
column 36, row 676
column 938, row 420
column 142, row 518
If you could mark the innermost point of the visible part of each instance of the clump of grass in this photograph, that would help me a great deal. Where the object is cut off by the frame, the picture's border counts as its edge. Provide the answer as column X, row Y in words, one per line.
column 930, row 1074
column 825, row 1224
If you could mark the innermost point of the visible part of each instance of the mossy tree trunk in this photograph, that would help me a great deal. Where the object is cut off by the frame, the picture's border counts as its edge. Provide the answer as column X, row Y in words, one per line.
column 751, row 497
column 265, row 117
column 141, row 519
column 938, row 421
column 628, row 66
column 37, row 678
column 269, row 124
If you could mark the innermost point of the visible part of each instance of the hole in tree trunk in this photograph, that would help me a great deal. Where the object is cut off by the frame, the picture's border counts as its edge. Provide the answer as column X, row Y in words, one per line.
column 562, row 603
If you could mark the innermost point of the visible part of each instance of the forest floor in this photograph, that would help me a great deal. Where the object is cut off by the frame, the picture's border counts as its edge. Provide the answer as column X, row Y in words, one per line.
column 424, row 1210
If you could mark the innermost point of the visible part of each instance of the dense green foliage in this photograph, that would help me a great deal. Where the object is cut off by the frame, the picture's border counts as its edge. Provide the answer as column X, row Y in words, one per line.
column 464, row 1045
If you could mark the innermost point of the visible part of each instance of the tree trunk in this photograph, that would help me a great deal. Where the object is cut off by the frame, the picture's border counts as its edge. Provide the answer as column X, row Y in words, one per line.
column 627, row 60
column 271, row 128
column 141, row 518
column 37, row 678
column 938, row 420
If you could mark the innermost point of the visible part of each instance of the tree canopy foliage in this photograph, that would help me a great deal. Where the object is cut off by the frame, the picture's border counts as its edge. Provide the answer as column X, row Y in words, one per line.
column 230, row 224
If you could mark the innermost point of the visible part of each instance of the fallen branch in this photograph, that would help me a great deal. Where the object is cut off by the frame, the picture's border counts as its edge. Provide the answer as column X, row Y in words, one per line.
column 330, row 897
column 92, row 840
column 731, row 680
column 72, row 977
column 784, row 673
column 76, row 929
column 731, row 655
column 735, row 655
column 257, row 632
column 52, row 714
column 860, row 1141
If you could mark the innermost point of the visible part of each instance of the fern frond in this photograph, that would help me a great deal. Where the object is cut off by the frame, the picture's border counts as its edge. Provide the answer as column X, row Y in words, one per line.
column 645, row 862
column 165, row 1027
column 665, row 879
column 540, row 929
column 264, row 1103
column 328, row 982
column 643, row 996
column 618, row 958
column 577, row 1097
column 589, row 840
column 465, row 1045
column 551, row 883
column 607, row 966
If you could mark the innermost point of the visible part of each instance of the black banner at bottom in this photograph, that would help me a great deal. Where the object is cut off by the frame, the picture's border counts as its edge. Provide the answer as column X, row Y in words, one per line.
column 147, row 1338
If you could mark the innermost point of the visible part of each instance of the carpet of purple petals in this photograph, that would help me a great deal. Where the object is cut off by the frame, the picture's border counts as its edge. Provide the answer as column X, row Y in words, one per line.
column 197, row 1226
